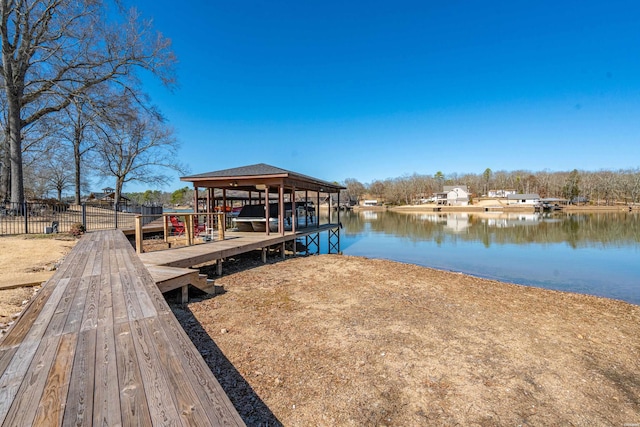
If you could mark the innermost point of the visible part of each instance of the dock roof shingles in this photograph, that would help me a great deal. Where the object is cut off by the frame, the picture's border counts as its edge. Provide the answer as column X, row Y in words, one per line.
column 250, row 170
column 259, row 170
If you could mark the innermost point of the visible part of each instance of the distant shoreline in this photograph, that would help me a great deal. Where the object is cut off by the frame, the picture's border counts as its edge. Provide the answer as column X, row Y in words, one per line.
column 490, row 208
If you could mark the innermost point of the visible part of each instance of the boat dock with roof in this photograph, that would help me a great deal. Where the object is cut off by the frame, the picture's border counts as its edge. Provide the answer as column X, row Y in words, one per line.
column 288, row 201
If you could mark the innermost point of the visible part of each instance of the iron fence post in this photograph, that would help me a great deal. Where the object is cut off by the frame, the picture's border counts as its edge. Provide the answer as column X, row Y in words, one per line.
column 115, row 208
column 26, row 217
column 84, row 215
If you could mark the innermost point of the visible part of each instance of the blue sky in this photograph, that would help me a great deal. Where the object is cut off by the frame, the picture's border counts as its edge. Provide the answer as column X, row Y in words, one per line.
column 374, row 90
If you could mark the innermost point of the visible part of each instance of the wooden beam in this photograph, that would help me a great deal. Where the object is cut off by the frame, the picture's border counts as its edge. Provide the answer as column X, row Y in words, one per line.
column 318, row 209
column 165, row 227
column 266, row 207
column 139, row 235
column 294, row 211
column 281, row 210
column 224, row 199
column 195, row 198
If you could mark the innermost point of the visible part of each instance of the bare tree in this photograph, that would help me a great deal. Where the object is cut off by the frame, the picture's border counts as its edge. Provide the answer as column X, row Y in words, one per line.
column 135, row 147
column 355, row 189
column 604, row 185
column 376, row 188
column 634, row 185
column 5, row 157
column 80, row 121
column 53, row 172
column 53, row 51
column 5, row 164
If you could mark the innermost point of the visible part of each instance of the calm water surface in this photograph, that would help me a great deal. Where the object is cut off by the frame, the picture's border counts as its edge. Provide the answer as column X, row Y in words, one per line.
column 596, row 254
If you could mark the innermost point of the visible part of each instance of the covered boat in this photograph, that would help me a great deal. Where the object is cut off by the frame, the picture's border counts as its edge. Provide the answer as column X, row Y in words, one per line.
column 253, row 218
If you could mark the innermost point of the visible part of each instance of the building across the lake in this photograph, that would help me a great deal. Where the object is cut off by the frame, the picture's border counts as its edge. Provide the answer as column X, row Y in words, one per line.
column 523, row 199
column 453, row 195
column 500, row 193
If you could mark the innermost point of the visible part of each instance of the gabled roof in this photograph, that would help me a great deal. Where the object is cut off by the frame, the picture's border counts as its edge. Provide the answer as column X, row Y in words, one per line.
column 261, row 173
column 105, row 196
column 463, row 187
column 250, row 170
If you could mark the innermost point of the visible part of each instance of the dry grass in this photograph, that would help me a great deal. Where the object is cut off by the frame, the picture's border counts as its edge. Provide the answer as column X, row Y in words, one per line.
column 26, row 262
column 32, row 258
column 337, row 340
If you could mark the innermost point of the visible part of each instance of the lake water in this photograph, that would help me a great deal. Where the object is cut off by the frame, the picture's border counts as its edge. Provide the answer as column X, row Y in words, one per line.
column 591, row 253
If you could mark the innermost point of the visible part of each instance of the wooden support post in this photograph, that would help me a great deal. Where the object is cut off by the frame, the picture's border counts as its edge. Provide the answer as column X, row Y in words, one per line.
column 338, row 213
column 219, row 267
column 139, row 234
column 266, row 207
column 318, row 211
column 283, row 249
column 224, row 200
column 195, row 196
column 221, row 225
column 295, row 247
column 294, row 212
column 306, row 208
column 281, row 210
column 165, row 223
column 188, row 223
column 264, row 255
column 185, row 294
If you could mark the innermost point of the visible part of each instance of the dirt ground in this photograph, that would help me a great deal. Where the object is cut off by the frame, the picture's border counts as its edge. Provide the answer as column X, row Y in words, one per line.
column 338, row 340
column 26, row 262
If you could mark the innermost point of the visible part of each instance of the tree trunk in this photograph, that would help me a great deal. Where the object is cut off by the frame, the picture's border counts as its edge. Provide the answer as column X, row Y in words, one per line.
column 118, row 192
column 5, row 173
column 15, row 149
column 76, row 158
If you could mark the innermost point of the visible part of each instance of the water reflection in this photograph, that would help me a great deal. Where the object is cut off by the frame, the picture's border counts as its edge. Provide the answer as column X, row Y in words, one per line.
column 595, row 253
column 583, row 229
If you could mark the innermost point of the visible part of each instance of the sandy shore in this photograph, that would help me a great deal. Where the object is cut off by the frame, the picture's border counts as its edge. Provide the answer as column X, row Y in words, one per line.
column 339, row 340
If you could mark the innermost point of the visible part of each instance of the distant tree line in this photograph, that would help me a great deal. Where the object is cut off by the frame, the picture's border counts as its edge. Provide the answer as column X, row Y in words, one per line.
column 72, row 105
column 606, row 187
column 180, row 197
column 601, row 187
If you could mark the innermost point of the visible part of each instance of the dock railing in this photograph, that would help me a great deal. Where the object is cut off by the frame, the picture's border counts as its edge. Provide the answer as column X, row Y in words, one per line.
column 182, row 228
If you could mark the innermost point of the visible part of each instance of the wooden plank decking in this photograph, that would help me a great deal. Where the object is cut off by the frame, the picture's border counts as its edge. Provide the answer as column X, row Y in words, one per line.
column 99, row 345
column 235, row 243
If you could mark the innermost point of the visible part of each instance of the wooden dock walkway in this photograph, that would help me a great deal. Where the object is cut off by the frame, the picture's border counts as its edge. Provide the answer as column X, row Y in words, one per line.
column 235, row 243
column 99, row 345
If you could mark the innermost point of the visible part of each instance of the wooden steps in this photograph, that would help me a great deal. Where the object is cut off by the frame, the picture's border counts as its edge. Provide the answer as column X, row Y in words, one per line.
column 170, row 278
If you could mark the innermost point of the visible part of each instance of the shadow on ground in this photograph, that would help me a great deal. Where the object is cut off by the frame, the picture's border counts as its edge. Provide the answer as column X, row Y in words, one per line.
column 252, row 410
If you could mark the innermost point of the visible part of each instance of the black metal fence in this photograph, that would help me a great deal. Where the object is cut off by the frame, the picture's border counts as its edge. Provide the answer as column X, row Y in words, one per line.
column 39, row 218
